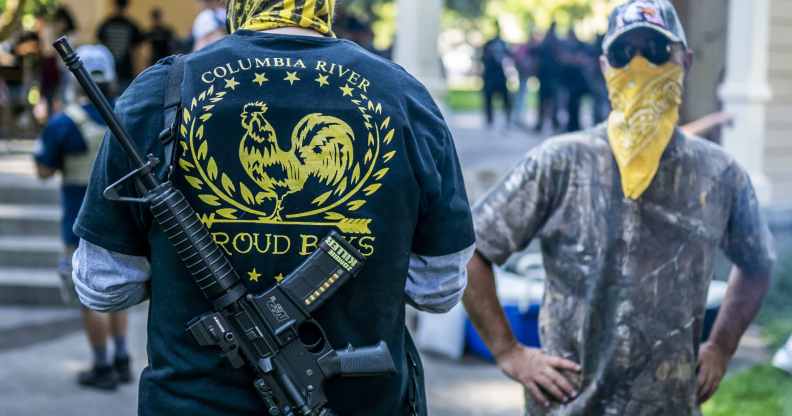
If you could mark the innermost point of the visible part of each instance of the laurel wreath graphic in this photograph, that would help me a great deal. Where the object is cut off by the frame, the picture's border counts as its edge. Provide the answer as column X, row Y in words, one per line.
column 229, row 198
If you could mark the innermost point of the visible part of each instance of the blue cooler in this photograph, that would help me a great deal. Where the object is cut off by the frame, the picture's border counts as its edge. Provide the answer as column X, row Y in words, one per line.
column 521, row 299
column 524, row 324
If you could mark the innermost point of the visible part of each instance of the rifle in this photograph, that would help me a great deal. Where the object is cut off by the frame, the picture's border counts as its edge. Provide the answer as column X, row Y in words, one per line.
column 273, row 332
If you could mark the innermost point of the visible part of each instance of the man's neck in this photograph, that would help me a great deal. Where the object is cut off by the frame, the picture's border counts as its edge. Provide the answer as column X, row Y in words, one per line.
column 294, row 31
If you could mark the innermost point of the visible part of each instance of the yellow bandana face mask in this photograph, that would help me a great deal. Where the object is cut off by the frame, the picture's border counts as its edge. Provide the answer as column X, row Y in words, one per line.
column 645, row 100
column 261, row 15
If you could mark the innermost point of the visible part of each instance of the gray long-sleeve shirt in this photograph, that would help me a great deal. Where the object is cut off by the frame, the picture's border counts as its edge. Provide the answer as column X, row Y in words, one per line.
column 110, row 281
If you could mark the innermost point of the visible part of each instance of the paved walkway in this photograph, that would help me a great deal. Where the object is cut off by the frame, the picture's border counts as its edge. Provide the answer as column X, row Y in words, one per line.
column 39, row 379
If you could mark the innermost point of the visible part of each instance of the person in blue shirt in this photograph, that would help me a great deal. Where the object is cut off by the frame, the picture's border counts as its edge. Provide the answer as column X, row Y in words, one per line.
column 494, row 55
column 68, row 146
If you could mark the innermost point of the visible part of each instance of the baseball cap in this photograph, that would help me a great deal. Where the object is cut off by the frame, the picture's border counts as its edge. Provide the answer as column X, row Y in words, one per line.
column 657, row 15
column 99, row 62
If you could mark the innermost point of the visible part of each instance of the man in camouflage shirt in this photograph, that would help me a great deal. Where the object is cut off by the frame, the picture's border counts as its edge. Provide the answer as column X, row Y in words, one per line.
column 630, row 215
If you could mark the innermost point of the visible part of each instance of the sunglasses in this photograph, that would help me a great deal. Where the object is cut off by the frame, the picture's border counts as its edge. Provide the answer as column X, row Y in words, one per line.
column 656, row 51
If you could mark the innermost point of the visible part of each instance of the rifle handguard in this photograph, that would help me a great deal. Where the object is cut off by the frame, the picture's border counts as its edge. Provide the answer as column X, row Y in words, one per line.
column 211, row 270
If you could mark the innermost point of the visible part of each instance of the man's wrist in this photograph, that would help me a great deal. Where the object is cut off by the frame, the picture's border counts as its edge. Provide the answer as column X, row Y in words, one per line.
column 504, row 346
column 721, row 348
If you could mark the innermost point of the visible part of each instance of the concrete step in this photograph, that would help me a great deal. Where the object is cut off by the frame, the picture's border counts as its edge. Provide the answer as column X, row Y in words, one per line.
column 30, row 220
column 28, row 286
column 18, row 182
column 24, row 190
column 26, row 325
column 20, row 252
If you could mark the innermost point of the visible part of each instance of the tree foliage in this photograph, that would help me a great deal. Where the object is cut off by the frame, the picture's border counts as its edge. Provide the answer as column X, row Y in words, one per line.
column 468, row 8
column 12, row 12
column 588, row 16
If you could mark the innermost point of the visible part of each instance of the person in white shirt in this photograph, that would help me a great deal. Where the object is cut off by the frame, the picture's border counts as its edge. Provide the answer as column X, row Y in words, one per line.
column 783, row 358
column 209, row 26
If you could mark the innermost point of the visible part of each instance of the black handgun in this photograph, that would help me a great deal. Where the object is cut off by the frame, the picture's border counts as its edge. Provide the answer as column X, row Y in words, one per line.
column 272, row 332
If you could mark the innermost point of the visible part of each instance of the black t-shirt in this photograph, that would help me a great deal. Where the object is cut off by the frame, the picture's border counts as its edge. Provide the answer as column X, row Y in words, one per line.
column 494, row 53
column 121, row 35
column 162, row 41
column 283, row 139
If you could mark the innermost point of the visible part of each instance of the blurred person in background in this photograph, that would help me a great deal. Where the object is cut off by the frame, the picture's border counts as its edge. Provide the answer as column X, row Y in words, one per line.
column 526, row 59
column 210, row 25
column 596, row 82
column 549, row 80
column 5, row 108
column 160, row 36
column 631, row 216
column 68, row 145
column 54, row 78
column 574, row 59
column 25, row 90
column 121, row 36
column 493, row 57
column 359, row 31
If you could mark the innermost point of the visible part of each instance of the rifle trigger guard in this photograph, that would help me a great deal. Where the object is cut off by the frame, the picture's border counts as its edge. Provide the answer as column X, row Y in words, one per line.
column 111, row 192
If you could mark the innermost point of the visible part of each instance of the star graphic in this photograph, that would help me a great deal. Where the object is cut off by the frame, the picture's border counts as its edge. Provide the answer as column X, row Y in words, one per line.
column 231, row 83
column 279, row 278
column 254, row 275
column 291, row 77
column 260, row 79
column 322, row 80
column 347, row 90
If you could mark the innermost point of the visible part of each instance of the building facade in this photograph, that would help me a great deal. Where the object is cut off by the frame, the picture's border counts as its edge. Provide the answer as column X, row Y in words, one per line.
column 743, row 66
column 778, row 130
column 89, row 14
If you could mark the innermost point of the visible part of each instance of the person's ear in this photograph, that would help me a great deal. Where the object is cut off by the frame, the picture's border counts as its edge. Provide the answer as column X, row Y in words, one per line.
column 689, row 55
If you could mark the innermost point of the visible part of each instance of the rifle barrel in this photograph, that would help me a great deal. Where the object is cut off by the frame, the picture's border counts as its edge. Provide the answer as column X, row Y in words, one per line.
column 96, row 96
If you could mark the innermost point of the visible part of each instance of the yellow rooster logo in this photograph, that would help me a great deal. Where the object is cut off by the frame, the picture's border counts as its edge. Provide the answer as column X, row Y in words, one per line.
column 321, row 148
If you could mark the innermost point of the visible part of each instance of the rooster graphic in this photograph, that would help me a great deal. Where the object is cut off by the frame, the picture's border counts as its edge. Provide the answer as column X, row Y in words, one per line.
column 321, row 148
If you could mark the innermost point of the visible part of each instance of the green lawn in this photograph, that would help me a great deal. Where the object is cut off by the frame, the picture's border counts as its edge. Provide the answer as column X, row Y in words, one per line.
column 464, row 100
column 760, row 391
column 776, row 314
column 763, row 390
column 469, row 99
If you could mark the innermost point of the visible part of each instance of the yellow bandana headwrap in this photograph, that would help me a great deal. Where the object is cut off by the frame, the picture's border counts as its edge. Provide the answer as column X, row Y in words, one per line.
column 645, row 100
column 273, row 14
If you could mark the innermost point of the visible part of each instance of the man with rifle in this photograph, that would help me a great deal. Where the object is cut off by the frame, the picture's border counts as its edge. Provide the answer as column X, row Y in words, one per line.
column 283, row 135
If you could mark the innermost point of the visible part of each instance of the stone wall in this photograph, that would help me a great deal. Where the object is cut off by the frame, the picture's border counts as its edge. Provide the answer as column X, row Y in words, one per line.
column 89, row 13
column 705, row 22
column 778, row 151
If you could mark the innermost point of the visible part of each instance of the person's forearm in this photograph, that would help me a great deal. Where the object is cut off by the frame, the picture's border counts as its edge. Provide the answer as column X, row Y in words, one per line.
column 483, row 307
column 44, row 172
column 743, row 299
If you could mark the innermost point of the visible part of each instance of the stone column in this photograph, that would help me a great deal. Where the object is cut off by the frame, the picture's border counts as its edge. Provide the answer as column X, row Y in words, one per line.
column 746, row 90
column 416, row 49
column 418, row 29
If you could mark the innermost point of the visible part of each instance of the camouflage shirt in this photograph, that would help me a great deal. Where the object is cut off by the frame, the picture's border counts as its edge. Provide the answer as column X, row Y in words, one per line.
column 626, row 280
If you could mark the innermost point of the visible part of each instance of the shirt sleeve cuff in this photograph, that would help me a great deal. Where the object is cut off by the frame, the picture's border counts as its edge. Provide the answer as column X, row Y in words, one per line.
column 109, row 281
column 436, row 284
